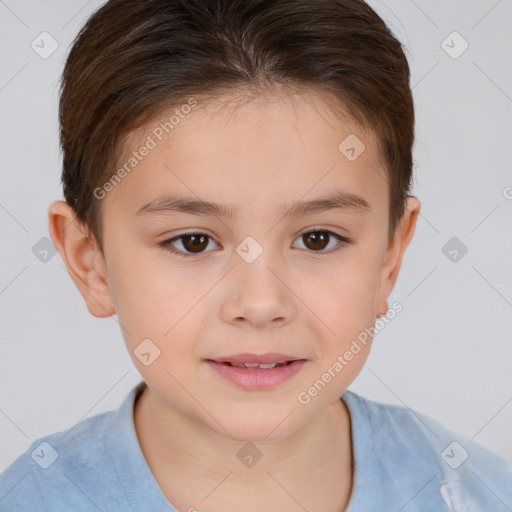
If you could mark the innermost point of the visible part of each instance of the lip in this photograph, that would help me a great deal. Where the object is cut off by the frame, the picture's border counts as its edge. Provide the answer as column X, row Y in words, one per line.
column 269, row 357
column 256, row 378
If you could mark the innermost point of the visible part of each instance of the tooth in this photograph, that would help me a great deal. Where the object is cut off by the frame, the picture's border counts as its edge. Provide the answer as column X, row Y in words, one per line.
column 250, row 365
column 240, row 365
column 267, row 365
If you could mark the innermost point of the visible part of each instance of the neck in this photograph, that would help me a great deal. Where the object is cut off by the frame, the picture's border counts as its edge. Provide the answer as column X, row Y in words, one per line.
column 193, row 463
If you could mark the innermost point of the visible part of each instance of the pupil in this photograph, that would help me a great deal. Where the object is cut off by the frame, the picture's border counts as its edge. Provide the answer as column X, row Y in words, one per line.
column 320, row 240
column 198, row 243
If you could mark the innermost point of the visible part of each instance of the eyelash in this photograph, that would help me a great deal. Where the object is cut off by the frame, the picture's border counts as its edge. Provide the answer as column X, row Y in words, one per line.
column 167, row 244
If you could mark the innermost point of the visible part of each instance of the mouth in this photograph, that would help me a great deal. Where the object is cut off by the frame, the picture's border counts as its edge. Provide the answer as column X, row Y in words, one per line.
column 261, row 366
column 252, row 372
column 251, row 360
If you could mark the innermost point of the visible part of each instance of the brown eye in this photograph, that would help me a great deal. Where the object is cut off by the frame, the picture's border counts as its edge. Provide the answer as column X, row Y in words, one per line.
column 316, row 240
column 195, row 243
column 188, row 244
column 320, row 239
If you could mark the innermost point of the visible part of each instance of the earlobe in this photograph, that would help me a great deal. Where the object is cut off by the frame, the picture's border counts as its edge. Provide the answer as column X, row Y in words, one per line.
column 396, row 249
column 82, row 257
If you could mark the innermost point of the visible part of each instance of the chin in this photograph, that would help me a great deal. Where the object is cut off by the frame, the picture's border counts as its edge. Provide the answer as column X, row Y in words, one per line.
column 257, row 429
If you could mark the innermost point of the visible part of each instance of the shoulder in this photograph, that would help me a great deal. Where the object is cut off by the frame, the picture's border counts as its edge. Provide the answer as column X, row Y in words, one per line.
column 405, row 442
column 71, row 467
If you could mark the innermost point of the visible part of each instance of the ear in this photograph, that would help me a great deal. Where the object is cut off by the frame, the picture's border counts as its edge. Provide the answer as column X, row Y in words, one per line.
column 82, row 257
column 395, row 251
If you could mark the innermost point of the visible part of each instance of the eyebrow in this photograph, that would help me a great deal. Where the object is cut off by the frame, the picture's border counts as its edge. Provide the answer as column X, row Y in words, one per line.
column 181, row 204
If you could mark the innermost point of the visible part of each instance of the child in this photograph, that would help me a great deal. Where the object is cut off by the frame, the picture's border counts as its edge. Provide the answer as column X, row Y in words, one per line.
column 237, row 178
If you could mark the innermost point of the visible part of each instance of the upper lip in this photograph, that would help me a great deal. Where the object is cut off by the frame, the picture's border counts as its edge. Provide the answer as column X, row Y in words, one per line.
column 256, row 358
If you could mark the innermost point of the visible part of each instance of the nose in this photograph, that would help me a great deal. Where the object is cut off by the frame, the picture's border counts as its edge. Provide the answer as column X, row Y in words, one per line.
column 258, row 295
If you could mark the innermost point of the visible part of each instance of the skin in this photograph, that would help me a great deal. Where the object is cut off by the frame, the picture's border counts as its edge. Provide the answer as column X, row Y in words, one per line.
column 190, row 422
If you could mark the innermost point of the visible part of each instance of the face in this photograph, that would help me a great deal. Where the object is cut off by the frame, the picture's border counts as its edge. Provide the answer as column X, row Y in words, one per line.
column 291, row 261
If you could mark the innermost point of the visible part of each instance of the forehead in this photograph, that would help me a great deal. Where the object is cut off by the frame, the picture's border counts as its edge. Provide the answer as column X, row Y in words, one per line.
column 263, row 147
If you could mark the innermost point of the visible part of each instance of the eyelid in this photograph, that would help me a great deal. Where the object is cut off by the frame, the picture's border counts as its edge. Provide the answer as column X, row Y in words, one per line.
column 167, row 243
column 342, row 240
column 327, row 229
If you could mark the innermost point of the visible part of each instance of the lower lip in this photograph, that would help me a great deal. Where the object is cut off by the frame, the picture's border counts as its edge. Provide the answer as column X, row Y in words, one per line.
column 257, row 378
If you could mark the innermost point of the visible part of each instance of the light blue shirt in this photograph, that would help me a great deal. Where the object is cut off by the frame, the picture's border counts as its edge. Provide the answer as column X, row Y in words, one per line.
column 404, row 461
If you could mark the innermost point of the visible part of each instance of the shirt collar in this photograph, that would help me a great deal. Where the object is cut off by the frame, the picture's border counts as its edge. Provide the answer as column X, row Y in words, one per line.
column 122, row 445
column 143, row 492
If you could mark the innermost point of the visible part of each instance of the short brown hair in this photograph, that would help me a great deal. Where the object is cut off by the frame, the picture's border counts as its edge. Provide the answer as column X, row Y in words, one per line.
column 133, row 59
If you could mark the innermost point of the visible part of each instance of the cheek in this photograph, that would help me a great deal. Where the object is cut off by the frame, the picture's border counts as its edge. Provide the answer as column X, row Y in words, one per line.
column 155, row 305
column 145, row 296
column 168, row 308
column 349, row 286
column 346, row 302
column 162, row 318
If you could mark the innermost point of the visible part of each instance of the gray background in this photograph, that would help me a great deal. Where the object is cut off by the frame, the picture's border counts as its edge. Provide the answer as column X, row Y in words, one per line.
column 448, row 354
